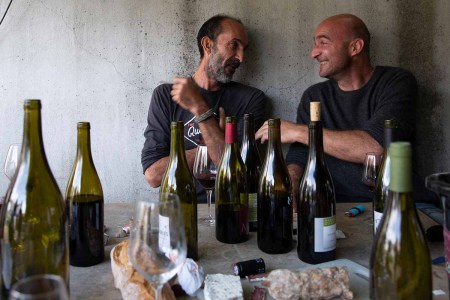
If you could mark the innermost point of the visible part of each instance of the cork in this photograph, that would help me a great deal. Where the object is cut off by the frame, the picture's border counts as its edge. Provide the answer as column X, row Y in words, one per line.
column 315, row 111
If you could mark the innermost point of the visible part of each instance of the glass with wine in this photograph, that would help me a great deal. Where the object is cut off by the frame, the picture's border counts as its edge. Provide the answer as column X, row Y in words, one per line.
column 205, row 172
column 371, row 166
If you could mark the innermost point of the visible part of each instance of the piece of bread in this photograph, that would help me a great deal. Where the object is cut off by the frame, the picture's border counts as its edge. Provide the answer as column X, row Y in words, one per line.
column 131, row 284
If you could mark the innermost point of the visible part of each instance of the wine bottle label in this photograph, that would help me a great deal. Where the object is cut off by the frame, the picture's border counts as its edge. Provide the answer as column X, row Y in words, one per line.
column 324, row 234
column 376, row 220
column 164, row 234
column 252, row 207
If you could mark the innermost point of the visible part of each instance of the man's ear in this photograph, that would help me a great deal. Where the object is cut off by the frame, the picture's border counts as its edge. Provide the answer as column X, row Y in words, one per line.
column 356, row 46
column 206, row 44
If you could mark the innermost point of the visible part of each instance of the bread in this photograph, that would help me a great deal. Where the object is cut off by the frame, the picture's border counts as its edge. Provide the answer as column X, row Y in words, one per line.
column 131, row 284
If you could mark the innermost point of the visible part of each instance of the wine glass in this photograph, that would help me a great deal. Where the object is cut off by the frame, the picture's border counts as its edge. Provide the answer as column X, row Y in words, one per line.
column 371, row 166
column 205, row 172
column 39, row 287
column 157, row 246
column 12, row 160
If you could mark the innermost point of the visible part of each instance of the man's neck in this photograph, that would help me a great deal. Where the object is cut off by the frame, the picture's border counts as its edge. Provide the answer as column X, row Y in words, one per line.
column 202, row 79
column 356, row 78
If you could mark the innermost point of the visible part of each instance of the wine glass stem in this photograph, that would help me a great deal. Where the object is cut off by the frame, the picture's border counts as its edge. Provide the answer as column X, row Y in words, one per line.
column 208, row 200
column 158, row 290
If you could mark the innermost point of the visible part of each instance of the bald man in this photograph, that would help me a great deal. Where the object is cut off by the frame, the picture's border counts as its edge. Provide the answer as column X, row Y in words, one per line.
column 355, row 101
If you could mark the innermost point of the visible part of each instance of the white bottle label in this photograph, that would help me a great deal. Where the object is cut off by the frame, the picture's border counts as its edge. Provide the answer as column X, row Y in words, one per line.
column 376, row 220
column 164, row 234
column 252, row 207
column 324, row 234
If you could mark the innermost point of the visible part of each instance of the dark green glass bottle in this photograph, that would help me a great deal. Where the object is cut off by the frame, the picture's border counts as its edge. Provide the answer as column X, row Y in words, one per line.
column 231, row 191
column 84, row 197
column 383, row 178
column 274, row 197
column 317, row 203
column 178, row 180
column 400, row 263
column 34, row 224
column 252, row 161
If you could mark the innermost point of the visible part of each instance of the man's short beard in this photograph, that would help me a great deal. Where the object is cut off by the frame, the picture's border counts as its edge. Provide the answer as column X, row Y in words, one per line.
column 216, row 70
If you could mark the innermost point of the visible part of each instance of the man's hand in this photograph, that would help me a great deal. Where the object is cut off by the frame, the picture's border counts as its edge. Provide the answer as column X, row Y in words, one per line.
column 290, row 132
column 186, row 93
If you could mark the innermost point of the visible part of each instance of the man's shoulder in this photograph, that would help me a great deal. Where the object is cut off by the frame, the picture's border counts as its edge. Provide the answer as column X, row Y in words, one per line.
column 233, row 85
column 388, row 71
column 163, row 88
column 320, row 87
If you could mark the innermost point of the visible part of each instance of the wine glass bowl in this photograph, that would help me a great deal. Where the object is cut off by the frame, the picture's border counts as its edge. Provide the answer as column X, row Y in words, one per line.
column 12, row 160
column 157, row 246
column 204, row 171
column 39, row 287
column 370, row 172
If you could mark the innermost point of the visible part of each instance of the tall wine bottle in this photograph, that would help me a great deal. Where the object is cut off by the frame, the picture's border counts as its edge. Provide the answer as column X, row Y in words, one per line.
column 178, row 180
column 34, row 224
column 317, row 203
column 231, row 191
column 250, row 157
column 274, row 198
column 84, row 197
column 383, row 178
column 400, row 264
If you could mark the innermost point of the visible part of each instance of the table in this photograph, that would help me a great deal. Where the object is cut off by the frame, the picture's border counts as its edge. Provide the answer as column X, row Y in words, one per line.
column 97, row 282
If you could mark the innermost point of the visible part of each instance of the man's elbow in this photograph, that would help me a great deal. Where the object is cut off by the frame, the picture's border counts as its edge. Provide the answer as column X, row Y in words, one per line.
column 153, row 179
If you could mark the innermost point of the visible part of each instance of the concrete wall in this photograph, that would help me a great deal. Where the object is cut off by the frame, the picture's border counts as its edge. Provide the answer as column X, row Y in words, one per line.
column 99, row 61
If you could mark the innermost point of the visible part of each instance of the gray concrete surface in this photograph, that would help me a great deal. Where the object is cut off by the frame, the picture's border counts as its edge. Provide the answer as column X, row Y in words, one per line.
column 99, row 61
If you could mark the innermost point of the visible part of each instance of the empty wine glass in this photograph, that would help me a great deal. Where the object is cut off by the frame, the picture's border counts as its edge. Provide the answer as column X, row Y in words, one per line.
column 205, row 172
column 12, row 160
column 157, row 246
column 39, row 287
column 371, row 166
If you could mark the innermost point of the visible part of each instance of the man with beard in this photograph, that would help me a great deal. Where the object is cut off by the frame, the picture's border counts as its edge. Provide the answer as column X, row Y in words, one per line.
column 355, row 102
column 203, row 100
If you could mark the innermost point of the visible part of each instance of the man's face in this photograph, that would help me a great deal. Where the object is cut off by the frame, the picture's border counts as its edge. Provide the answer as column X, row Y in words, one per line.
column 227, row 51
column 331, row 50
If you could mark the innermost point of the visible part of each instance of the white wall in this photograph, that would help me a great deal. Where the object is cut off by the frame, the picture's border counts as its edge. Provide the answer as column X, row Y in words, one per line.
column 99, row 61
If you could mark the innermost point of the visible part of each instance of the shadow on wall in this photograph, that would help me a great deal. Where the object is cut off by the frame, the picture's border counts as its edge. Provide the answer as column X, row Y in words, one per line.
column 417, row 27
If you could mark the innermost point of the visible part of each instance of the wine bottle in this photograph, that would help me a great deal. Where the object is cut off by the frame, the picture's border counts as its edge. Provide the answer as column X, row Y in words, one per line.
column 252, row 161
column 317, row 203
column 274, row 198
column 34, row 224
column 382, row 185
column 178, row 180
column 231, row 191
column 400, row 264
column 84, row 198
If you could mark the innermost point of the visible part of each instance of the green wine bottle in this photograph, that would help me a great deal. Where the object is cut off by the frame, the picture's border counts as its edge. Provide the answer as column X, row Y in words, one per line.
column 317, row 203
column 84, row 198
column 400, row 264
column 34, row 224
column 231, row 191
column 383, row 178
column 252, row 161
column 274, row 198
column 178, row 180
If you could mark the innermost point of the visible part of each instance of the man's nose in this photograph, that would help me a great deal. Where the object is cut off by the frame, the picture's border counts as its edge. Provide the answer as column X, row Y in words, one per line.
column 315, row 52
column 240, row 54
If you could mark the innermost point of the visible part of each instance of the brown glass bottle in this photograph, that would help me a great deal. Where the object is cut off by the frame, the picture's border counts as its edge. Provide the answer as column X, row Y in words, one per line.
column 84, row 197
column 274, row 198
column 250, row 157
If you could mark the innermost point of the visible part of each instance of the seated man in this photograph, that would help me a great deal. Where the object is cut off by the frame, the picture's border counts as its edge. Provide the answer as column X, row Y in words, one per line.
column 196, row 100
column 355, row 101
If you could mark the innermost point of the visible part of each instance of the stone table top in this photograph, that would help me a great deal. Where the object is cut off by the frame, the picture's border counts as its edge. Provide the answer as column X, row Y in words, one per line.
column 97, row 282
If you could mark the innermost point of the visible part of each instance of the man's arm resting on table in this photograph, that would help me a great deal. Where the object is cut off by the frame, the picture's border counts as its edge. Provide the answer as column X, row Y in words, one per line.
column 154, row 174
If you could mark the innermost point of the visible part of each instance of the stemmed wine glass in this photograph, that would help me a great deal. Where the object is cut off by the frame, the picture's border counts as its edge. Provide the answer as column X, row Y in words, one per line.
column 39, row 287
column 12, row 160
column 371, row 166
column 205, row 172
column 157, row 246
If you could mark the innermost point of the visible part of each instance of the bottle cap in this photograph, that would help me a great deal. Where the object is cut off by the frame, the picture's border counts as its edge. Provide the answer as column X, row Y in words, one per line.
column 314, row 111
column 250, row 267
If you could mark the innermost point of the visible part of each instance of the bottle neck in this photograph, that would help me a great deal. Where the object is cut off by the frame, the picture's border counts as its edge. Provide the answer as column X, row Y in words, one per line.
column 315, row 141
column 84, row 143
column 177, row 142
column 32, row 138
column 274, row 141
column 249, row 132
